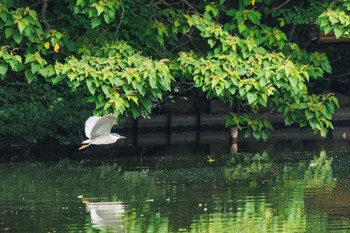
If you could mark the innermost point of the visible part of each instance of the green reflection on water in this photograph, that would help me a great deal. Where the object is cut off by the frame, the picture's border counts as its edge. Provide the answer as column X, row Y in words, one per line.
column 243, row 193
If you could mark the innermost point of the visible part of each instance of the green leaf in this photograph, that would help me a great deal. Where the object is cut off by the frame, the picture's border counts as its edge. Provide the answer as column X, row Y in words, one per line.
column 309, row 115
column 247, row 2
column 231, row 12
column 215, row 12
column 107, row 106
column 262, row 82
column 18, row 58
column 107, row 18
column 8, row 32
column 282, row 21
column 118, row 82
column 242, row 71
column 139, row 87
column 136, row 112
column 242, row 91
column 211, row 43
column 161, row 29
column 330, row 107
column 160, row 39
column 232, row 90
column 247, row 133
column 29, row 76
column 99, row 9
column 185, row 29
column 327, row 112
column 105, row 89
column 257, row 134
column 79, row 2
column 3, row 69
column 207, row 16
column 48, row 71
column 327, row 29
column 219, row 90
column 263, row 100
column 254, row 16
column 251, row 97
column 17, row 37
column 334, row 100
column 35, row 67
column 22, row 24
column 323, row 132
column 214, row 82
column 28, row 58
column 153, row 81
column 293, row 80
column 323, row 23
column 338, row 32
column 133, row 98
column 333, row 20
column 91, row 87
column 13, row 64
column 95, row 22
column 147, row 104
column 250, row 44
column 3, row 16
column 57, row 79
column 265, row 135
column 242, row 27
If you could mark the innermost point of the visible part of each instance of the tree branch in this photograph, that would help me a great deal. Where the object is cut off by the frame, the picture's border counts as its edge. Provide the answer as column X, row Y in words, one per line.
column 121, row 18
column 43, row 16
column 189, row 5
column 279, row 6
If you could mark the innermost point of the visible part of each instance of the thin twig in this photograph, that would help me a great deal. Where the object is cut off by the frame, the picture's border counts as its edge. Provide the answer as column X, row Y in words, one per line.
column 338, row 76
column 60, row 51
column 190, row 5
column 121, row 18
column 291, row 33
column 180, row 45
column 280, row 6
column 169, row 5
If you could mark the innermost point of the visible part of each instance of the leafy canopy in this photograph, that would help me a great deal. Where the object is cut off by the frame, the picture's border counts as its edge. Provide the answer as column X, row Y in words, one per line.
column 128, row 55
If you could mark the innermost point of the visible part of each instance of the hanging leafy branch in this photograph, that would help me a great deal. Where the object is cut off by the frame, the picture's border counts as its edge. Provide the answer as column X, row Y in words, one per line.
column 242, row 70
column 336, row 19
column 119, row 80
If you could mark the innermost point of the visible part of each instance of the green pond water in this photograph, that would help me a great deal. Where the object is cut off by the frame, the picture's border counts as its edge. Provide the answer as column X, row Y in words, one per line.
column 253, row 192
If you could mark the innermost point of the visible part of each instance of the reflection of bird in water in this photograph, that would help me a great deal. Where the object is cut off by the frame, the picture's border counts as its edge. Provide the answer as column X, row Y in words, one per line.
column 106, row 215
column 98, row 130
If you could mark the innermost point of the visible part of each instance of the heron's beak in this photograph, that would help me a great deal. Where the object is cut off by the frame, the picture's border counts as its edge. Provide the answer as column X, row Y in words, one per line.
column 122, row 137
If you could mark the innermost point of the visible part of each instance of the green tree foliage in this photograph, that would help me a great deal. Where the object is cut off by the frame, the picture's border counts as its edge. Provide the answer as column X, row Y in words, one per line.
column 336, row 19
column 127, row 55
column 37, row 111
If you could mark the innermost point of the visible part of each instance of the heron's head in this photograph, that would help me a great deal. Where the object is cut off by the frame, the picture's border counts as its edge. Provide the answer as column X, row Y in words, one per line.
column 116, row 136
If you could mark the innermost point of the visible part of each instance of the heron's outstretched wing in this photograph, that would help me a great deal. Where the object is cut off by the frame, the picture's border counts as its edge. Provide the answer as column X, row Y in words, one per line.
column 89, row 124
column 102, row 126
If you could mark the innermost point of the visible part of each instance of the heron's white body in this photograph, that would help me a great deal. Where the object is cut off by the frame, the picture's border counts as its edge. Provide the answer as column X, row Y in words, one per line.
column 98, row 130
column 103, row 139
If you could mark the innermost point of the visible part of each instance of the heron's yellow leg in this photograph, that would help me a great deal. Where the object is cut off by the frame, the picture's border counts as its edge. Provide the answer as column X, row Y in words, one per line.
column 84, row 146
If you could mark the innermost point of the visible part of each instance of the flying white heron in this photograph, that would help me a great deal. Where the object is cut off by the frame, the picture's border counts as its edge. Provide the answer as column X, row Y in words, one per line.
column 98, row 130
